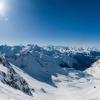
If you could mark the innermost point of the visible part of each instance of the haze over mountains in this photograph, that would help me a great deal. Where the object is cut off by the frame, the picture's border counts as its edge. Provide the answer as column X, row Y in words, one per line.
column 52, row 72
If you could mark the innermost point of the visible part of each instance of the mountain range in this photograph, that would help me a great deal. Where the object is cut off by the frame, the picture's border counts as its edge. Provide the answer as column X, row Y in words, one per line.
column 49, row 73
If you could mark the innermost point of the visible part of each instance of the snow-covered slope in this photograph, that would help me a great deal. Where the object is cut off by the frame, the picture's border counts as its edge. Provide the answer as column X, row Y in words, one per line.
column 95, row 70
column 41, row 63
column 75, row 86
column 49, row 73
column 67, row 86
column 9, row 77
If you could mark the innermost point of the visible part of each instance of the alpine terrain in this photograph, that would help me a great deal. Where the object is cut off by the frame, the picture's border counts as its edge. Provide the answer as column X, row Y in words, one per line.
column 49, row 73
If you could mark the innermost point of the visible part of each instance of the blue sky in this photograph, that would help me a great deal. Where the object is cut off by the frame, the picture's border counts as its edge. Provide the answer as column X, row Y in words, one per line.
column 56, row 22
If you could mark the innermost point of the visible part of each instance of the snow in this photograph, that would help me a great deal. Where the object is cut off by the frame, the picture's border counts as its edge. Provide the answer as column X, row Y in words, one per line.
column 3, row 69
column 67, row 87
column 40, row 68
column 72, row 89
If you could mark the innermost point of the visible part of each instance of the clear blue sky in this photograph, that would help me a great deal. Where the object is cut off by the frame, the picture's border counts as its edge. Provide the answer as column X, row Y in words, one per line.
column 57, row 22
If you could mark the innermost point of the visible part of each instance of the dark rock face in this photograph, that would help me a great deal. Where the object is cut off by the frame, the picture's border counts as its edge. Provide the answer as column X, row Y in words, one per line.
column 13, row 79
column 17, row 82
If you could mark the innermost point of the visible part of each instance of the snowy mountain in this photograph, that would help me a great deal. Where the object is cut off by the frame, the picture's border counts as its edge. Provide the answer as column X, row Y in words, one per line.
column 53, row 72
column 9, row 76
column 78, row 58
column 95, row 70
